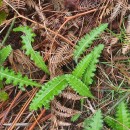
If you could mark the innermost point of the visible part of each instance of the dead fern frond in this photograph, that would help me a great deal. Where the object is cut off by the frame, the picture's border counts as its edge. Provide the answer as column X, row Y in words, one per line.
column 63, row 109
column 57, row 123
column 32, row 4
column 21, row 63
column 62, row 56
column 89, row 4
column 71, row 96
column 18, row 4
column 120, row 8
column 62, row 114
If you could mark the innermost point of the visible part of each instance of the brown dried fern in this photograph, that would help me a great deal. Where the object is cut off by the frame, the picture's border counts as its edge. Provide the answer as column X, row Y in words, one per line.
column 121, row 7
column 61, row 57
column 33, row 4
column 89, row 4
column 18, row 4
column 71, row 96
column 63, row 109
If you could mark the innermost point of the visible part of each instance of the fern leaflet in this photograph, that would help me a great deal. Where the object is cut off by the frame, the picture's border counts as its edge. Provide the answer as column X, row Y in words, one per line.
column 16, row 79
column 95, row 122
column 122, row 120
column 123, row 117
column 87, row 40
column 111, row 122
column 82, row 65
column 78, row 85
column 48, row 91
column 26, row 40
column 88, row 62
column 4, row 53
column 91, row 68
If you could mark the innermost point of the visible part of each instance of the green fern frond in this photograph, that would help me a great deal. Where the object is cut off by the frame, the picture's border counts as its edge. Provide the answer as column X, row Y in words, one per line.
column 48, row 91
column 78, row 85
column 88, row 63
column 122, row 120
column 16, row 79
column 26, row 40
column 4, row 53
column 123, row 117
column 91, row 68
column 95, row 122
column 111, row 122
column 87, row 40
column 82, row 65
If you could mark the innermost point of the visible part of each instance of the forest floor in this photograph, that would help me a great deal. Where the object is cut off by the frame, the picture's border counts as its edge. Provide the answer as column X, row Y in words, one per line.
column 58, row 26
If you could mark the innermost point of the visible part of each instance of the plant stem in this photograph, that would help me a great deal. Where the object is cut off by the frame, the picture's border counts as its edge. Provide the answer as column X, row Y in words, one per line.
column 8, row 32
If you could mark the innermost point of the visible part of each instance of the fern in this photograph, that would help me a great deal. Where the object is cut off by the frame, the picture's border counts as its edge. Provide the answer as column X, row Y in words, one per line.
column 122, row 120
column 16, row 79
column 82, row 65
column 111, row 122
column 9, row 75
column 91, row 68
column 88, row 63
column 78, row 85
column 88, row 40
column 4, row 53
column 26, row 40
column 48, row 91
column 56, row 85
column 122, row 116
column 95, row 122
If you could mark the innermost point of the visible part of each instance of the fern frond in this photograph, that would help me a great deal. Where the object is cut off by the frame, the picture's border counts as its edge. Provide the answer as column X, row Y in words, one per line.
column 122, row 120
column 48, row 91
column 91, row 68
column 78, row 85
column 123, row 117
column 16, row 79
column 95, row 122
column 26, row 40
column 4, row 53
column 88, row 62
column 111, row 122
column 82, row 65
column 87, row 40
